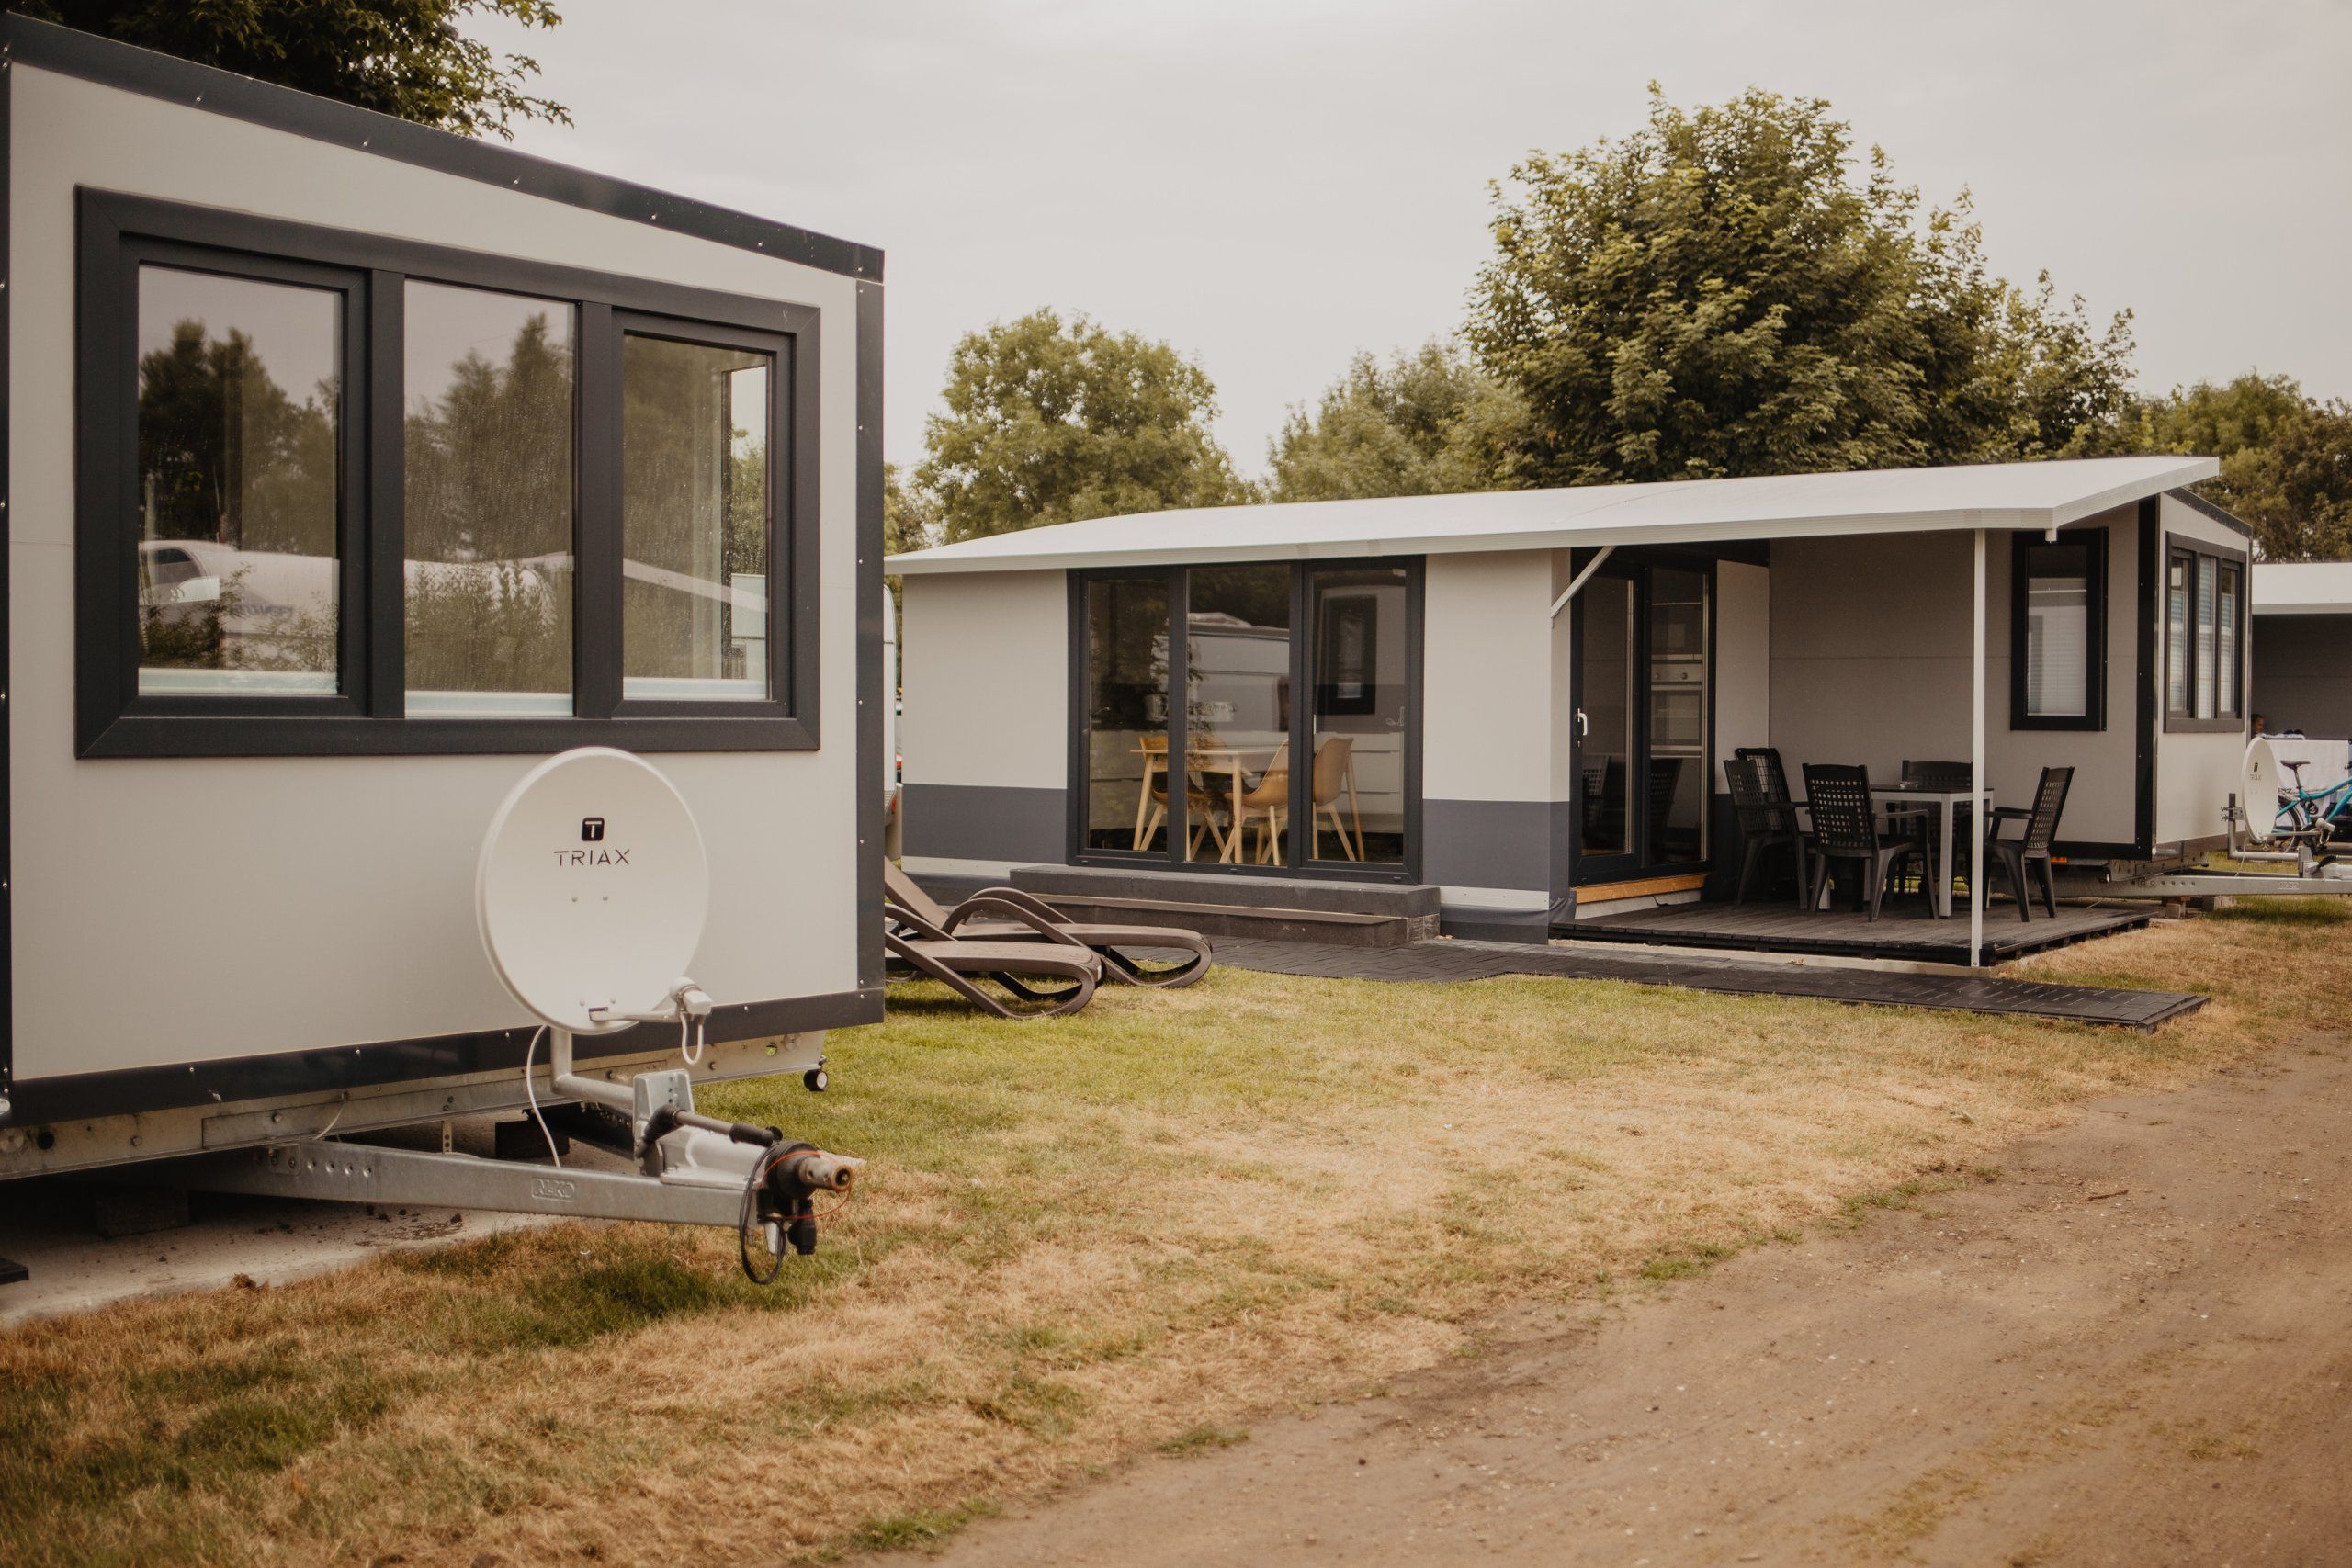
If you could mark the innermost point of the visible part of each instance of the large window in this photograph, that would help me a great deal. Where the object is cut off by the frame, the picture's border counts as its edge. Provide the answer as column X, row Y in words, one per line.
column 1362, row 702
column 1293, row 746
column 1237, row 713
column 695, row 519
column 2057, row 631
column 487, row 445
column 338, row 493
column 1126, row 745
column 239, row 503
column 2204, row 636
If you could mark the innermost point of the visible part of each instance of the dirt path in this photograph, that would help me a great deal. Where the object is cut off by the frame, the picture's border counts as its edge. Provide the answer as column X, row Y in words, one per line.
column 2135, row 1347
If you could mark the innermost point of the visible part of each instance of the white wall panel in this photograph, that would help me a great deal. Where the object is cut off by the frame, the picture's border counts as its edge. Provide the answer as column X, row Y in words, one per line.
column 988, row 679
column 1743, row 662
column 1488, row 661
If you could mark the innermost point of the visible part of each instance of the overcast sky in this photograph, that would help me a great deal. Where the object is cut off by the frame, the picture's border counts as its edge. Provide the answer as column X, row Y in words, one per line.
column 1272, row 185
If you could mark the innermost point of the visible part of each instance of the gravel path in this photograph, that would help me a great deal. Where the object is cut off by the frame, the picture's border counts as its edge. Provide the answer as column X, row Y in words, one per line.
column 2135, row 1347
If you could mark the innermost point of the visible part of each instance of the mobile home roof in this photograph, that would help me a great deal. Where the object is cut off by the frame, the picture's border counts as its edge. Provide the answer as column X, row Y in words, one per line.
column 2303, row 588
column 1887, row 500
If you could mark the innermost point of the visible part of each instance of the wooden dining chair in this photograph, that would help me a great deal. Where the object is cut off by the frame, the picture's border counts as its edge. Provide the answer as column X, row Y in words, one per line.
column 1266, row 803
column 1335, row 770
column 1201, row 806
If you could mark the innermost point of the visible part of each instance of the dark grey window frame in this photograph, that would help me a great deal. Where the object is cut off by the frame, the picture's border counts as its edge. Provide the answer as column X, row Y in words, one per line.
column 2094, row 716
column 2203, row 556
column 115, row 233
column 1301, row 682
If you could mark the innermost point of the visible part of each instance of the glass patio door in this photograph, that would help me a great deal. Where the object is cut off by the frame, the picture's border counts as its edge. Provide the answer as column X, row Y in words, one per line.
column 1607, row 703
column 1641, row 721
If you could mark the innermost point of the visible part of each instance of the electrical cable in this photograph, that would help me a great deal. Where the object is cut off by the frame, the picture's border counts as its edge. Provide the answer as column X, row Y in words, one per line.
column 748, row 1222
column 531, row 1094
column 320, row 1136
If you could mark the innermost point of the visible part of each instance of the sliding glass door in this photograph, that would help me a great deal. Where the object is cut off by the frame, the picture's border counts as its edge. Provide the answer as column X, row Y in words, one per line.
column 1123, row 792
column 1294, row 747
column 1641, row 720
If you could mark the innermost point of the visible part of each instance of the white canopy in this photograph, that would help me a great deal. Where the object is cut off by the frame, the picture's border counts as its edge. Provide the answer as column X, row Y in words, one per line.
column 2302, row 588
column 1886, row 501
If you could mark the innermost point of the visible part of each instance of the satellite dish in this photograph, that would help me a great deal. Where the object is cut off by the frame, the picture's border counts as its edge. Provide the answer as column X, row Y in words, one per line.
column 591, row 889
column 2258, row 774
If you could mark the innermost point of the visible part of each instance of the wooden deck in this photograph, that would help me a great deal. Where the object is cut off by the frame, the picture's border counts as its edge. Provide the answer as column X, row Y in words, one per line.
column 1459, row 960
column 1904, row 929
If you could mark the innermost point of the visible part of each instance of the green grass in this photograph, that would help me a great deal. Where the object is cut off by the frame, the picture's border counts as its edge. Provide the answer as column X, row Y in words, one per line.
column 1202, row 1439
column 1135, row 1229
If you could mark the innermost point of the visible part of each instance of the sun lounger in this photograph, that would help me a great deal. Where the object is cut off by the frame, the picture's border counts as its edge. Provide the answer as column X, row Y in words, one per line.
column 1007, row 914
column 1067, row 969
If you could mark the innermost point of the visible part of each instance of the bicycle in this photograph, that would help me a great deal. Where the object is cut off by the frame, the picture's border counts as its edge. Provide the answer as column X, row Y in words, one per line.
column 2313, row 817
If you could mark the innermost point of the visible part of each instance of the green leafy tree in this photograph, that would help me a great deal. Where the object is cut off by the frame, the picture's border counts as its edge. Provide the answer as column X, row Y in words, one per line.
column 2286, row 458
column 398, row 57
column 1431, row 423
column 1052, row 421
column 909, row 518
column 227, row 454
column 1719, row 294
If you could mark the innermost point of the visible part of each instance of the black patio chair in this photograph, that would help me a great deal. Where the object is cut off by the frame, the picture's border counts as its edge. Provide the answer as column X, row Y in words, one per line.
column 2032, row 847
column 1775, row 777
column 1766, row 824
column 1922, row 822
column 1846, row 828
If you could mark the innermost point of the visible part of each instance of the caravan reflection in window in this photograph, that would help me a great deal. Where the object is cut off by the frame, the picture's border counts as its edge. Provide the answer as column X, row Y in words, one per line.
column 240, row 422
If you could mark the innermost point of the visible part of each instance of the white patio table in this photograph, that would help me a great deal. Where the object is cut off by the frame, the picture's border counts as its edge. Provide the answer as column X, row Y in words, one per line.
column 1898, row 795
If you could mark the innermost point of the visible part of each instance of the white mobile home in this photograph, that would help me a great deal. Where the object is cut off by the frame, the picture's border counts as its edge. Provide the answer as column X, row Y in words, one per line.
column 350, row 467
column 2302, row 645
column 1525, row 699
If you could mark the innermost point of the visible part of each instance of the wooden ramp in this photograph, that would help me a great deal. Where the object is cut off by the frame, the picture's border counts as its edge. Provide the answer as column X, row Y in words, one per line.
column 1455, row 960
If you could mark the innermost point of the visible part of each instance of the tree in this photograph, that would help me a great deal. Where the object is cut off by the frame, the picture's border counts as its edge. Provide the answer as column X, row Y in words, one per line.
column 226, row 454
column 2286, row 458
column 909, row 517
column 1716, row 294
column 1052, row 423
column 398, row 57
column 1431, row 422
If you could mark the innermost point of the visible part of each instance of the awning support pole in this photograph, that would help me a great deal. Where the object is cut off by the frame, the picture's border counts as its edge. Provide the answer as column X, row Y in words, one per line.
column 1580, row 580
column 1977, row 823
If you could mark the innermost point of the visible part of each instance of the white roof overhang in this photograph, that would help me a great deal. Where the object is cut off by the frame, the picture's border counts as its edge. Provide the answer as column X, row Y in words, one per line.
column 2302, row 588
column 1898, row 501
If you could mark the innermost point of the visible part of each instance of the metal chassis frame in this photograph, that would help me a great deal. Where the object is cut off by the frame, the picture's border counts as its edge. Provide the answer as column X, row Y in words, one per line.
column 365, row 1173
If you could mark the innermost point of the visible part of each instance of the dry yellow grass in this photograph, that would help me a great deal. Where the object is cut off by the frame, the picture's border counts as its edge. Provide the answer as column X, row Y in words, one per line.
column 1080, row 1240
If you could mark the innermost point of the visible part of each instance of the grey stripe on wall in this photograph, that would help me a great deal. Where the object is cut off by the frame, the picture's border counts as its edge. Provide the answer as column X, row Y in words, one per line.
column 986, row 822
column 1494, row 843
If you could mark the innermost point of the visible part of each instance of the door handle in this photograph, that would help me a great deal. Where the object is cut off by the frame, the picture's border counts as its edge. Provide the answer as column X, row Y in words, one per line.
column 1583, row 727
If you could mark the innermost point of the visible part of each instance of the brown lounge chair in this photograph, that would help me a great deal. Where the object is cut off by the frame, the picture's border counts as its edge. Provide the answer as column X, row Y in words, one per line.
column 1007, row 914
column 927, row 948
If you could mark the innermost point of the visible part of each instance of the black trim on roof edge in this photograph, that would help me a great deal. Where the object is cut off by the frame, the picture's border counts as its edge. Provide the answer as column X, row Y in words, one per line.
column 2221, row 514
column 89, row 57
